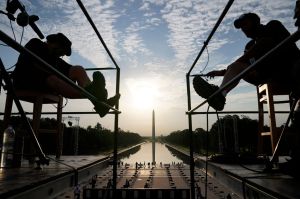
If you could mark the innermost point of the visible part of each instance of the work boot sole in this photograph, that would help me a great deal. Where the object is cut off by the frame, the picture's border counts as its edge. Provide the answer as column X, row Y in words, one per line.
column 205, row 90
column 103, row 110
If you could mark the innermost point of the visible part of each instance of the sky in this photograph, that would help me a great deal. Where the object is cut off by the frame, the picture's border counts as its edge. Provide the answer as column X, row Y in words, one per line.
column 155, row 43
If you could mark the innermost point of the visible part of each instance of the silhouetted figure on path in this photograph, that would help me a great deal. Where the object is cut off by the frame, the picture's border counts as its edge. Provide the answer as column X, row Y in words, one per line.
column 109, row 184
column 94, row 181
column 127, row 184
column 77, row 192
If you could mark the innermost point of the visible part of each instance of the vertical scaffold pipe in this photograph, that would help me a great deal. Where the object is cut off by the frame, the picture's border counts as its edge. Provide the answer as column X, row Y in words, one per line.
column 192, row 162
column 116, row 132
column 116, row 128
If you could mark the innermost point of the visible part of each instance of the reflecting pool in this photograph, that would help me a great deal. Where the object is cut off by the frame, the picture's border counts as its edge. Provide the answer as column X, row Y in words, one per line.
column 144, row 154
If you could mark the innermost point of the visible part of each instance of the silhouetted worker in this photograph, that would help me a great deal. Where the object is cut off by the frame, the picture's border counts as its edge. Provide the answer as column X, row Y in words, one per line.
column 263, row 38
column 31, row 75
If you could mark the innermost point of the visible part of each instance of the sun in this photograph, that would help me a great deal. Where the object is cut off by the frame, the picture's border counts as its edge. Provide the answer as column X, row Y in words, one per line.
column 144, row 99
column 143, row 94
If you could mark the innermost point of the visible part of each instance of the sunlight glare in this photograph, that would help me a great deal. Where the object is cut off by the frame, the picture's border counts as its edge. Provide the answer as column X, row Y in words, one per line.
column 143, row 94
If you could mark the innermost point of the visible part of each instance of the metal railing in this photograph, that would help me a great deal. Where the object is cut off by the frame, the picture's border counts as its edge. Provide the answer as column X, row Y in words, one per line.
column 117, row 92
column 192, row 163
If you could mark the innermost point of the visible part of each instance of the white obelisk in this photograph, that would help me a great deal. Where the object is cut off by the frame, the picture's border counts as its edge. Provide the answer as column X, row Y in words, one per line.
column 153, row 137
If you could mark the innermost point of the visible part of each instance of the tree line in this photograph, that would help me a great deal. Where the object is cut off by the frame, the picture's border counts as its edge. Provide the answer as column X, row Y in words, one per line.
column 91, row 140
column 231, row 133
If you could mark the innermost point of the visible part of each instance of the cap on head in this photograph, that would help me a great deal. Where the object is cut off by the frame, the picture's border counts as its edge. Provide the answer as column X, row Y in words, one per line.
column 247, row 16
column 62, row 40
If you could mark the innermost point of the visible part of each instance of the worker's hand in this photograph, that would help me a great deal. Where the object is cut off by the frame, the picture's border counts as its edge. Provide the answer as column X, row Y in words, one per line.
column 214, row 73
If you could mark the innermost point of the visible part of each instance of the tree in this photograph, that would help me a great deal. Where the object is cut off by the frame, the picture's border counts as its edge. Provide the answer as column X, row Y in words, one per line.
column 230, row 132
column 98, row 126
column 92, row 140
column 246, row 129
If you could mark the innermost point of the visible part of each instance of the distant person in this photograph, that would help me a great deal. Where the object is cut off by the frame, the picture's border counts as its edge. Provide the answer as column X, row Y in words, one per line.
column 277, row 68
column 94, row 181
column 146, row 185
column 198, row 191
column 127, row 185
column 109, row 184
column 77, row 192
column 31, row 75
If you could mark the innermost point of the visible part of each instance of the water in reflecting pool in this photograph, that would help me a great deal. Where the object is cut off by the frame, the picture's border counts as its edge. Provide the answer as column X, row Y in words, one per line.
column 144, row 154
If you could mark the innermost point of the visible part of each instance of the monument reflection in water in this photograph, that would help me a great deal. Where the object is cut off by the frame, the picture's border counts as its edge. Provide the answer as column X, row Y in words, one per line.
column 162, row 154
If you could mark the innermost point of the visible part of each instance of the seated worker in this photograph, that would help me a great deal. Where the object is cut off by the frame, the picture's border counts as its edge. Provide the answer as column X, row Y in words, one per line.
column 31, row 75
column 276, row 68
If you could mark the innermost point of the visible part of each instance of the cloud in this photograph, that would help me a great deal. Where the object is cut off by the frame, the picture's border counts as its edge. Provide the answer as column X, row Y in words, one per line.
column 145, row 6
column 188, row 24
column 153, row 21
column 133, row 44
